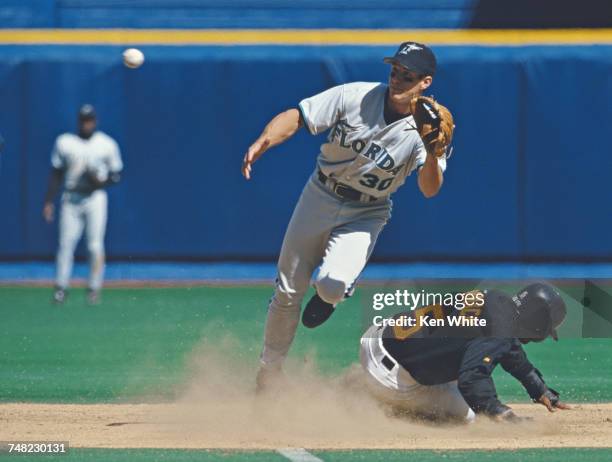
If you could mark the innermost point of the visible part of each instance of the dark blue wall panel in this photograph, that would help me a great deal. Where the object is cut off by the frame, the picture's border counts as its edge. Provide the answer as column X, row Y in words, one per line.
column 13, row 187
column 318, row 14
column 528, row 180
column 569, row 159
column 28, row 13
column 236, row 13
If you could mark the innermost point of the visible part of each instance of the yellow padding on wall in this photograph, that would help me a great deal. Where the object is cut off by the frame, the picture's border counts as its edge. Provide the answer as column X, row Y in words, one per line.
column 304, row 37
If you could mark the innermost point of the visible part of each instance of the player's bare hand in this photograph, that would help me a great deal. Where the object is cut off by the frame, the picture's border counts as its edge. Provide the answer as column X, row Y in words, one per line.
column 552, row 407
column 255, row 151
column 49, row 212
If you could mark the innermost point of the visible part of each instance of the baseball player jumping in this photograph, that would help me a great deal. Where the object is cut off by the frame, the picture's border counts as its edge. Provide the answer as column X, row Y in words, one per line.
column 445, row 371
column 86, row 163
column 378, row 135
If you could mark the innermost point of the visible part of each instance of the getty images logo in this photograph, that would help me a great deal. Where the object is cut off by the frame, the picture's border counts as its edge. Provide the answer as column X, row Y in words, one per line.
column 410, row 47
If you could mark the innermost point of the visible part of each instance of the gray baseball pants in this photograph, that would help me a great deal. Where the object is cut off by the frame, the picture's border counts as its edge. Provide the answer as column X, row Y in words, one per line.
column 329, row 236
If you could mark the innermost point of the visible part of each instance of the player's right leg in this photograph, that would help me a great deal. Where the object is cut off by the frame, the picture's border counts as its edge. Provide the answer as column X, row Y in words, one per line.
column 70, row 229
column 302, row 250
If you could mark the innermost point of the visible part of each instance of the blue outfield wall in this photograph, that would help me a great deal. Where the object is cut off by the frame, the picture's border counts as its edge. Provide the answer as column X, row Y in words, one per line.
column 530, row 177
column 308, row 14
column 236, row 13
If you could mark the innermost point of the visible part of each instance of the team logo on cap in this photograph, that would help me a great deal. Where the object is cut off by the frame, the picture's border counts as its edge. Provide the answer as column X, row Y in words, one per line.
column 410, row 47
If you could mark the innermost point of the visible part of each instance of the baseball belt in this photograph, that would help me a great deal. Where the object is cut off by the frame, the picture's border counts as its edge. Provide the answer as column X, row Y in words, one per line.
column 343, row 190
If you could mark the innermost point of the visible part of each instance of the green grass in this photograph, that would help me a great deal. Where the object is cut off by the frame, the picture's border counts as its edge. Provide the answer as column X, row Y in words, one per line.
column 171, row 455
column 137, row 342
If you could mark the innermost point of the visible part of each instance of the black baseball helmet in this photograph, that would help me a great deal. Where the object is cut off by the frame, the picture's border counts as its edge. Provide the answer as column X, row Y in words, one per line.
column 540, row 311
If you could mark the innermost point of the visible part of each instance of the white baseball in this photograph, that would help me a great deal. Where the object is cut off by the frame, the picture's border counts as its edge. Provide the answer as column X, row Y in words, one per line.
column 133, row 58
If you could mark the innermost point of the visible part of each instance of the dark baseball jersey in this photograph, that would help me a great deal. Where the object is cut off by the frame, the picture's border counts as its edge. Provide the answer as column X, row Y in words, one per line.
column 468, row 354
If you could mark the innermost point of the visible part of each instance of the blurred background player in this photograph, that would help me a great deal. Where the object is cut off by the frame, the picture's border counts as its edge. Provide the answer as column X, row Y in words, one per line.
column 445, row 371
column 86, row 162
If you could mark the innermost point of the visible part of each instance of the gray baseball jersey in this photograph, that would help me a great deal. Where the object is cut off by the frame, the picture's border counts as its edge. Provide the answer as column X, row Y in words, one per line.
column 76, row 155
column 362, row 151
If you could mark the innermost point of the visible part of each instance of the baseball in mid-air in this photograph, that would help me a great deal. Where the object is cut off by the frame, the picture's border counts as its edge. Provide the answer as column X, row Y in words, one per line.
column 133, row 58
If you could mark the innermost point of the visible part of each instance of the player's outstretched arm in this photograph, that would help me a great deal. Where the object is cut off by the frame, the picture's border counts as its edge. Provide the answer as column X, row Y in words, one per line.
column 281, row 128
column 430, row 177
column 515, row 362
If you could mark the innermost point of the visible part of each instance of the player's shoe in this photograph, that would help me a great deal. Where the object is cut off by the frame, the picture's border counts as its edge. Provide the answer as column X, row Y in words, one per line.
column 59, row 296
column 93, row 297
column 317, row 311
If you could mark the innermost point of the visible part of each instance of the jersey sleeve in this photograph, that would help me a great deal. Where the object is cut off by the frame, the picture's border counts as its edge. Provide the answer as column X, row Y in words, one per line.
column 474, row 381
column 115, row 162
column 421, row 155
column 321, row 111
column 515, row 362
column 57, row 158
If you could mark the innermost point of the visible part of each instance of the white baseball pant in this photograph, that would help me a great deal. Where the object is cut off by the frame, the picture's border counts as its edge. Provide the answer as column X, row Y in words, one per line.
column 81, row 211
column 398, row 389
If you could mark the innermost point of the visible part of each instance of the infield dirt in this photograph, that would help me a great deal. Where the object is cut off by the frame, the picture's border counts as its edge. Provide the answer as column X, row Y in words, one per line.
column 218, row 409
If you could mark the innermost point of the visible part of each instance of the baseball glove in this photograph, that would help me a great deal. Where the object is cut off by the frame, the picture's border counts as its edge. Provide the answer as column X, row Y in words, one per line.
column 97, row 173
column 434, row 123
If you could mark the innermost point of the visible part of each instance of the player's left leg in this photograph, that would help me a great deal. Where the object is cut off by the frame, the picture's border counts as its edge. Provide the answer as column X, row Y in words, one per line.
column 301, row 252
column 96, row 214
column 348, row 249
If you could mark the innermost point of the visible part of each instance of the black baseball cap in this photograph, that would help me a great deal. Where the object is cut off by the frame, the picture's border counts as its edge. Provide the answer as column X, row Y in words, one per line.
column 415, row 57
column 87, row 112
